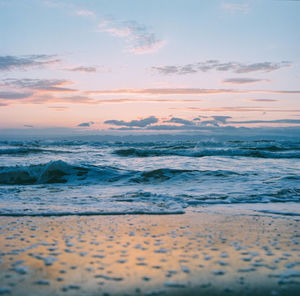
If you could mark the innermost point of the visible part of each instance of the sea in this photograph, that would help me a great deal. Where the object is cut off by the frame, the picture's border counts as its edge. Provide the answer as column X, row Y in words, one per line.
column 68, row 176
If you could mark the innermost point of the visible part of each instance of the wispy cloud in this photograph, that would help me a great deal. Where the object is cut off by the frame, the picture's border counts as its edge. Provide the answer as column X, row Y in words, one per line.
column 262, row 100
column 164, row 91
column 9, row 63
column 220, row 66
column 198, row 122
column 86, row 124
column 235, row 109
column 49, row 85
column 139, row 38
column 187, row 91
column 85, row 69
column 244, row 80
column 13, row 95
column 81, row 99
column 263, row 67
column 85, row 12
column 285, row 121
column 235, row 7
column 215, row 120
column 53, row 3
column 134, row 123
column 34, row 91
column 143, row 100
column 221, row 118
column 51, row 99
column 180, row 121
column 58, row 108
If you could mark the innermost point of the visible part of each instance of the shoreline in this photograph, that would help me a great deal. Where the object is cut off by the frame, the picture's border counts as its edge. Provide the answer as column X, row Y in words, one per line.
column 277, row 209
column 207, row 250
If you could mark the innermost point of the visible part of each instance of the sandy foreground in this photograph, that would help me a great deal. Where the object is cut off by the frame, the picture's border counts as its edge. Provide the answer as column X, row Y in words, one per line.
column 202, row 252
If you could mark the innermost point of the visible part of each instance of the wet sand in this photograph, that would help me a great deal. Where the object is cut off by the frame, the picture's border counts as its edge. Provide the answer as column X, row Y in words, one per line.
column 198, row 253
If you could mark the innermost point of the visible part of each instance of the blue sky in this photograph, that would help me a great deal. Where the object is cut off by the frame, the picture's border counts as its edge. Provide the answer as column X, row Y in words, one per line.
column 94, row 63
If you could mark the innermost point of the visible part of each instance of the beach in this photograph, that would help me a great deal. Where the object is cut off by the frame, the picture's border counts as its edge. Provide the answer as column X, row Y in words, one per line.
column 205, row 217
column 209, row 250
column 149, row 148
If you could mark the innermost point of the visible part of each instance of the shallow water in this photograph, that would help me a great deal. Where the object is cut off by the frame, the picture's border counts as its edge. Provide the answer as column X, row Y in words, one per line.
column 63, row 177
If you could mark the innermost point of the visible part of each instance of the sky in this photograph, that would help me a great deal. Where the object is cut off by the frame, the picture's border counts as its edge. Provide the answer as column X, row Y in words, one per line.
column 141, row 65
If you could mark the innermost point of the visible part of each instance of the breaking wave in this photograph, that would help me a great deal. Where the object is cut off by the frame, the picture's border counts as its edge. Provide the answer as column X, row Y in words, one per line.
column 62, row 172
column 54, row 172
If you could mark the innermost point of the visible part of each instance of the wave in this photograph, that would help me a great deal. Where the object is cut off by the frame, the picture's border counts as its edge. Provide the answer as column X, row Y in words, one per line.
column 55, row 172
column 62, row 172
column 272, row 148
column 20, row 151
column 145, row 142
column 259, row 152
column 269, row 152
column 91, row 213
column 138, row 202
column 281, row 196
column 164, row 174
column 28, row 150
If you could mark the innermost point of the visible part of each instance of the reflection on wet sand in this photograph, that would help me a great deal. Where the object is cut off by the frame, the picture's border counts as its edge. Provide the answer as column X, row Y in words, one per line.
column 150, row 255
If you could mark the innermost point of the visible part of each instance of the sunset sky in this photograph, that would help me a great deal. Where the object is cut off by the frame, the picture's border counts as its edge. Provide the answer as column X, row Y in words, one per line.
column 149, row 65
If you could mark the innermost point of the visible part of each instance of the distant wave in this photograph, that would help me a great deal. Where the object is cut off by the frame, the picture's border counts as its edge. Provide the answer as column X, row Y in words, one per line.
column 174, row 144
column 28, row 150
column 20, row 150
column 176, row 150
column 269, row 152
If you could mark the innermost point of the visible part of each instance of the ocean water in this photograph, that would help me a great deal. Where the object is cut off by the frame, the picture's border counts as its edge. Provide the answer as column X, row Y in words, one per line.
column 67, row 177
